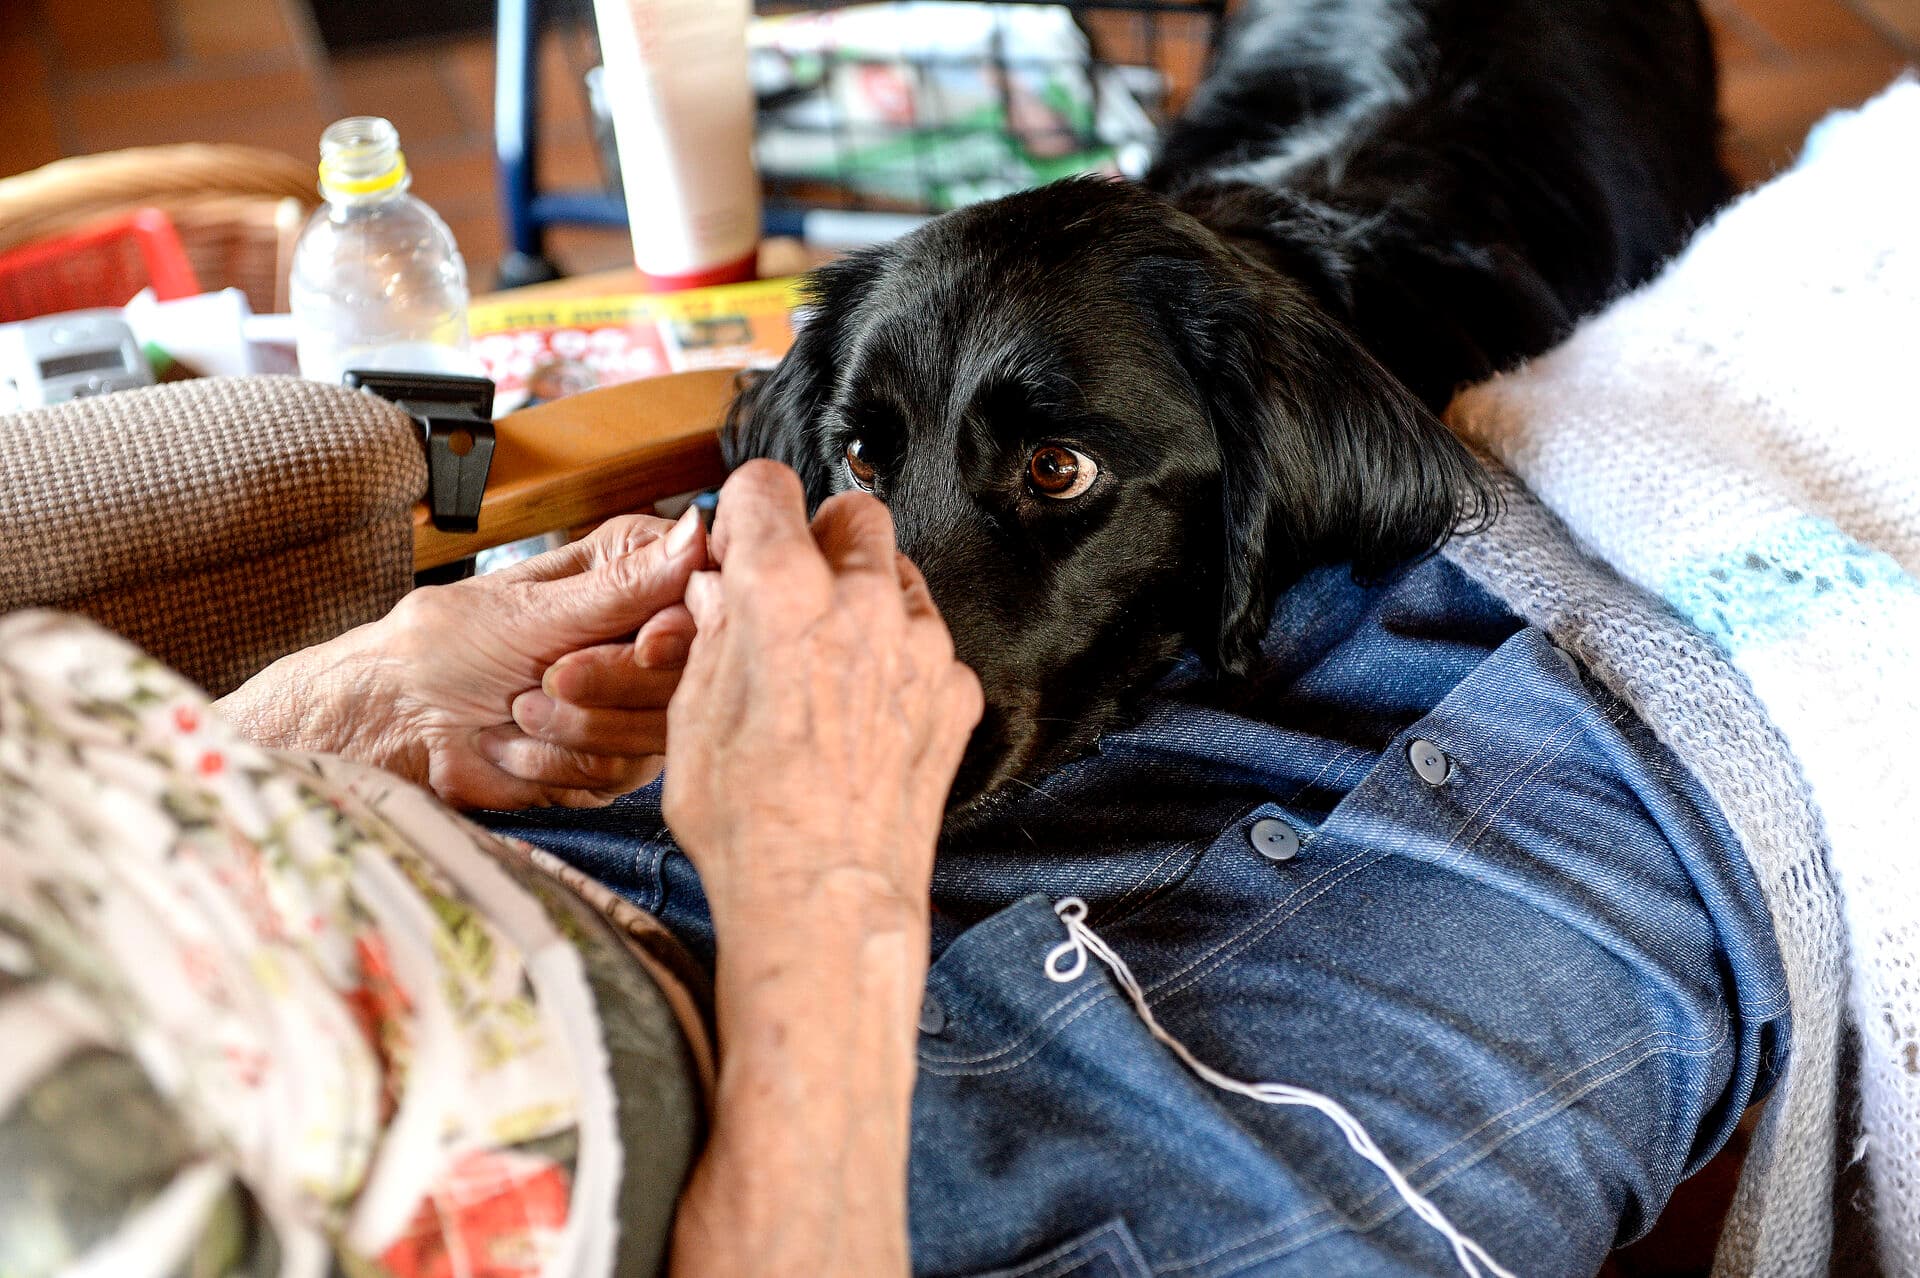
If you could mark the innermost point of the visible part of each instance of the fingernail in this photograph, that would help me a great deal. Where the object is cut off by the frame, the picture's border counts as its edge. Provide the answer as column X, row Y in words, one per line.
column 532, row 711
column 669, row 649
column 680, row 536
column 703, row 592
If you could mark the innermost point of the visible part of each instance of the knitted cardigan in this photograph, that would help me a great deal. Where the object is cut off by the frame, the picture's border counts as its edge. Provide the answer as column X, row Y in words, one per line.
column 1721, row 517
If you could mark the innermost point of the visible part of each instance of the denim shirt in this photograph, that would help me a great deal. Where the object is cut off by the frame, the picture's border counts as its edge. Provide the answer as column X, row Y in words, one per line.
column 1421, row 864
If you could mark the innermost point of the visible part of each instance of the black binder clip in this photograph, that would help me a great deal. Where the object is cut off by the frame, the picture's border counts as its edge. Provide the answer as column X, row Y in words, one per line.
column 456, row 417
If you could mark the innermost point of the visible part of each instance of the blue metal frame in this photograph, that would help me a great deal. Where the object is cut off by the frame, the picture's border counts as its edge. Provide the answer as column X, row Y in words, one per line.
column 530, row 211
column 516, row 84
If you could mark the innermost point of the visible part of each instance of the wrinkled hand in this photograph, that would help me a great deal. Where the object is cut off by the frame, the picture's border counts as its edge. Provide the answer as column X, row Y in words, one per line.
column 810, row 749
column 821, row 716
column 517, row 689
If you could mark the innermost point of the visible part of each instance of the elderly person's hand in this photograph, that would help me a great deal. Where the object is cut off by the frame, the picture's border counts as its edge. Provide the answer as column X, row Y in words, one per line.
column 812, row 743
column 546, row 683
column 822, row 707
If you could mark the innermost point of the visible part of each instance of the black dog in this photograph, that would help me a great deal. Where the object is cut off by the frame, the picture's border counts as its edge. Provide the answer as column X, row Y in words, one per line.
column 1112, row 422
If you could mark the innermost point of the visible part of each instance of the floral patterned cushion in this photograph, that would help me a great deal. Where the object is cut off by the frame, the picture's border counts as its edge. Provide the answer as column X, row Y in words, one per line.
column 271, row 1014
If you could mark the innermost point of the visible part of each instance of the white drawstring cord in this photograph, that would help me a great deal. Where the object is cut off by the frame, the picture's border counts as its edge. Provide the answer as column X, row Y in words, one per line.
column 1082, row 940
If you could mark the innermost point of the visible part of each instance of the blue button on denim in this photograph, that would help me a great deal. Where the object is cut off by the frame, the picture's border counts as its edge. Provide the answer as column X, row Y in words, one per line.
column 1430, row 762
column 1274, row 839
column 1546, row 985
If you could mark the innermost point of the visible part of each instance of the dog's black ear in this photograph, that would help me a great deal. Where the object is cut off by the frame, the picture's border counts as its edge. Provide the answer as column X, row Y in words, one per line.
column 771, row 416
column 774, row 414
column 1325, row 456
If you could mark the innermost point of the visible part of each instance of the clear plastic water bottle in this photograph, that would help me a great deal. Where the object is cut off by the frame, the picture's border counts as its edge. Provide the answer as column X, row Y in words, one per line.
column 377, row 281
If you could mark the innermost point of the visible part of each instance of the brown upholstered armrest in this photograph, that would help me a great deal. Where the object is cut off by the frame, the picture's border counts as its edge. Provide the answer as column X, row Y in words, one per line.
column 217, row 524
column 222, row 523
column 581, row 459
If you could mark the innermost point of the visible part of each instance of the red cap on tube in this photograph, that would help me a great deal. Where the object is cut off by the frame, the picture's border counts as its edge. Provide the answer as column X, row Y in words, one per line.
column 738, row 271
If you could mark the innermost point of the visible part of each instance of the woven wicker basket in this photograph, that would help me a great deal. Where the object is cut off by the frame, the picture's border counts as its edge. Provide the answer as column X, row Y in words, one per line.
column 238, row 209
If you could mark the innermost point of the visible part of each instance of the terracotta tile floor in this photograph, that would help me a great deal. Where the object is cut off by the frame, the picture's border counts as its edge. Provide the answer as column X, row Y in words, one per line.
column 78, row 76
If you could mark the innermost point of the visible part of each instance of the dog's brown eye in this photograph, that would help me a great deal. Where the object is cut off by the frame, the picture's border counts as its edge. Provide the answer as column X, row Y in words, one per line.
column 858, row 464
column 1060, row 472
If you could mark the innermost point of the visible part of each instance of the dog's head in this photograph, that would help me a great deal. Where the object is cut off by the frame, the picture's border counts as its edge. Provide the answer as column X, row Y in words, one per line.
column 1104, row 436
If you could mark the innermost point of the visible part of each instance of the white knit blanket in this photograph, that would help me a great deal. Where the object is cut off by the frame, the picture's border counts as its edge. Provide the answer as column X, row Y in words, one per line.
column 1741, row 437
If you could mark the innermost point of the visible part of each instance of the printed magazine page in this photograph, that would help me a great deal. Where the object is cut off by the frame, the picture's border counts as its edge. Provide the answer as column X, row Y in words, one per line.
column 540, row 351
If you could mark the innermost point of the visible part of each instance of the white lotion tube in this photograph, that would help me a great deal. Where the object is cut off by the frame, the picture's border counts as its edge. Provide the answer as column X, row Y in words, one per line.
column 676, row 80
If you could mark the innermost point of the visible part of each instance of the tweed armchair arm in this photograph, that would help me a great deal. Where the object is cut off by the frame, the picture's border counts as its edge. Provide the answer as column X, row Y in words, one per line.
column 218, row 524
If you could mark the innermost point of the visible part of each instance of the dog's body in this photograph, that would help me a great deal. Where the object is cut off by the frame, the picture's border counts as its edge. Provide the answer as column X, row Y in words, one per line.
column 1113, row 422
column 1456, row 180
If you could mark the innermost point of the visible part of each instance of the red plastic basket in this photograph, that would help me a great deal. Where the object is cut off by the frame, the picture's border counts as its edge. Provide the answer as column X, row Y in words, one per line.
column 104, row 264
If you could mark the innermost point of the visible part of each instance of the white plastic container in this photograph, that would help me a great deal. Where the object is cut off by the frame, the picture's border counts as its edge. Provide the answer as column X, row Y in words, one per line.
column 676, row 81
column 377, row 280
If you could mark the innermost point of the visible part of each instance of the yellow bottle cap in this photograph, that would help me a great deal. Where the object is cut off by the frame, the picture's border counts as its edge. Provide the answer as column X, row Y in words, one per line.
column 361, row 156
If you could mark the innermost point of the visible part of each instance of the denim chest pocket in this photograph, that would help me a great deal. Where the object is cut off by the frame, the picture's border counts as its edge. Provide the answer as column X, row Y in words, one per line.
column 1106, row 1251
column 1044, row 1103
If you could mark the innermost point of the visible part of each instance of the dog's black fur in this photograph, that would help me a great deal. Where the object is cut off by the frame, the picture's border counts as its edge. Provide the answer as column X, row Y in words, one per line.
column 1367, row 204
